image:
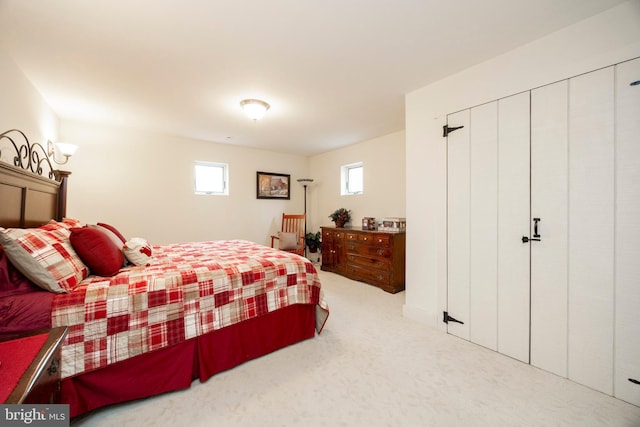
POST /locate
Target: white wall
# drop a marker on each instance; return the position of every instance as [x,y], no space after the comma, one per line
[143,184]
[383,159]
[23,108]
[605,39]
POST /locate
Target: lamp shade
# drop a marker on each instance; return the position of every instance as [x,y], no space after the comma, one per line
[67,149]
[254,108]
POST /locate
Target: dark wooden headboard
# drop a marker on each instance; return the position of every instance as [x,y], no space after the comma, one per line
[28,199]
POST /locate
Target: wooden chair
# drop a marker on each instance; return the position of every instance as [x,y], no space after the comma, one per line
[292,225]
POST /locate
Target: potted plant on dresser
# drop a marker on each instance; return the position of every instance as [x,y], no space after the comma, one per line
[341,216]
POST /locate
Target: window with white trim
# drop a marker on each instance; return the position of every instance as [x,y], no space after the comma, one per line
[352,179]
[211,178]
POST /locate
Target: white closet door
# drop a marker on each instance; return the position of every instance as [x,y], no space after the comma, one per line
[458,219]
[484,225]
[492,175]
[549,203]
[582,294]
[627,268]
[513,223]
[591,229]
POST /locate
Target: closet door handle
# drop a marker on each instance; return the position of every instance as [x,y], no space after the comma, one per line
[526,239]
[535,227]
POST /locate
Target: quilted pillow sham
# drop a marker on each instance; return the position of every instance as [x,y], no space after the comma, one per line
[97,250]
[65,224]
[45,256]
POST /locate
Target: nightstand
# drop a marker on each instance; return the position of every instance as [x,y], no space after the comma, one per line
[40,381]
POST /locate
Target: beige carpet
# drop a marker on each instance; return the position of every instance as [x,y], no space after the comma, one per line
[372,367]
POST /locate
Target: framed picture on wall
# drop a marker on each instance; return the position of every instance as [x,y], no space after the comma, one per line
[273,185]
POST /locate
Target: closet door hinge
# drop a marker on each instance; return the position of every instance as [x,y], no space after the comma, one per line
[446,130]
[447,318]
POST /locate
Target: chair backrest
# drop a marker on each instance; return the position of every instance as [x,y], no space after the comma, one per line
[293,223]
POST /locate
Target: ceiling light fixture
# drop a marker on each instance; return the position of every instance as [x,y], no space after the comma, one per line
[254,108]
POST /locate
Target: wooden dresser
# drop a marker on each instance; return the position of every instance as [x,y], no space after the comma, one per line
[374,257]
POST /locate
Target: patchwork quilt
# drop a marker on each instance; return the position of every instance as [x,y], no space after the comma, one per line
[188,289]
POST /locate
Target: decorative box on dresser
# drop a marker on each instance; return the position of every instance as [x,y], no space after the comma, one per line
[374,257]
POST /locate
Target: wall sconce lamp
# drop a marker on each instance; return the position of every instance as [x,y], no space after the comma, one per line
[254,108]
[67,150]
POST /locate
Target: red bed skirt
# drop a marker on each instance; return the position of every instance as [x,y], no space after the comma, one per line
[175,367]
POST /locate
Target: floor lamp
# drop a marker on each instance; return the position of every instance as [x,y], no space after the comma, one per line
[305,182]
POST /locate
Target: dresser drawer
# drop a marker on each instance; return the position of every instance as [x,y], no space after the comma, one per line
[368,238]
[368,262]
[351,237]
[368,250]
[369,275]
[330,235]
[376,239]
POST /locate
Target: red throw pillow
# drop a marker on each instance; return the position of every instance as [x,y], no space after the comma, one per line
[113,230]
[97,250]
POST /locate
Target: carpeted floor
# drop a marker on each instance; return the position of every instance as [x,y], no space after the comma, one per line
[372,367]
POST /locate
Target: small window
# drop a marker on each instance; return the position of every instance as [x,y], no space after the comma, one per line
[211,178]
[352,179]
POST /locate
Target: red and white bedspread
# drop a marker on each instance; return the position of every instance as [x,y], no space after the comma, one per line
[188,290]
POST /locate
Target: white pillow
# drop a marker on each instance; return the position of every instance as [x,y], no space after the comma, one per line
[287,241]
[138,251]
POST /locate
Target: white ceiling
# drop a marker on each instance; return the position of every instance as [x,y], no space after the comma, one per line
[334,71]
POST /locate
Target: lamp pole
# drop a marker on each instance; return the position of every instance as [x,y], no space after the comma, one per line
[305,182]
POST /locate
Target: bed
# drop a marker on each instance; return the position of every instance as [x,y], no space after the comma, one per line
[156,317]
